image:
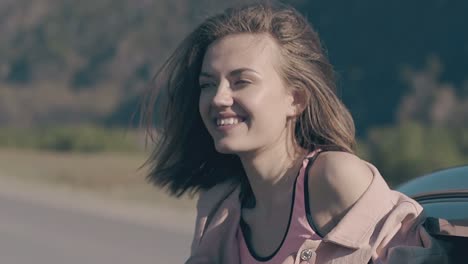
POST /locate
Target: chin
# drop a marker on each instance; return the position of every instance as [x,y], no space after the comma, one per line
[225,148]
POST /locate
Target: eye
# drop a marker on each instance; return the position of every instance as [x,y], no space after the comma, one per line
[242,82]
[206,85]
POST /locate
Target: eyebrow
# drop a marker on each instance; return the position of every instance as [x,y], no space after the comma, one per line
[232,73]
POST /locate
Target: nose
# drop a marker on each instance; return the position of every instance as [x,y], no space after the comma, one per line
[223,96]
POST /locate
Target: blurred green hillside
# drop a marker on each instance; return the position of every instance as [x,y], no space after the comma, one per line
[85,61]
[402,70]
[64,61]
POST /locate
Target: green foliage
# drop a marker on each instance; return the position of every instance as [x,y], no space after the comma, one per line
[70,139]
[76,55]
[362,149]
[410,150]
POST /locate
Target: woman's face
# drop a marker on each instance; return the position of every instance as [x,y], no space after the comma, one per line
[243,102]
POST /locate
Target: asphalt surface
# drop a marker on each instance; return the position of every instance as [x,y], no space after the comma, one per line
[44,228]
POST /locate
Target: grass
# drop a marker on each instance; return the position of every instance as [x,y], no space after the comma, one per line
[116,175]
[72,138]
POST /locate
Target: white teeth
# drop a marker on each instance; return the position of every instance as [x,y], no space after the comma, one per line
[228,121]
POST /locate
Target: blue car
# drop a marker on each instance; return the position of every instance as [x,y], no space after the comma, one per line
[443,194]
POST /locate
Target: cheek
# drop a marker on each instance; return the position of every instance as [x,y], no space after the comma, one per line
[204,99]
[272,112]
[267,103]
[203,107]
[201,104]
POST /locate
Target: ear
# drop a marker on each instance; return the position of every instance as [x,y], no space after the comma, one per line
[296,102]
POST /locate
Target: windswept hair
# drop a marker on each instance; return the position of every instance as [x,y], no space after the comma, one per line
[185,158]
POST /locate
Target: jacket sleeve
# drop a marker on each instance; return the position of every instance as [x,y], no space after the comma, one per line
[199,223]
[406,240]
[452,234]
[207,204]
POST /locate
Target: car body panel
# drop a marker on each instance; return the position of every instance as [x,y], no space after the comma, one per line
[443,194]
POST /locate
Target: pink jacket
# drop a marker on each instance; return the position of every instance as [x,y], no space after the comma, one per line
[384,226]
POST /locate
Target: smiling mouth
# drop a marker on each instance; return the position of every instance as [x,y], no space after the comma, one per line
[230,121]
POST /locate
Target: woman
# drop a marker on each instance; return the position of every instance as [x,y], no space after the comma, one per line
[253,123]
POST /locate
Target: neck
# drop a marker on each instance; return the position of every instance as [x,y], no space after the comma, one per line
[271,173]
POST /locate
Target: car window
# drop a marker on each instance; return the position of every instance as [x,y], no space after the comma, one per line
[450,209]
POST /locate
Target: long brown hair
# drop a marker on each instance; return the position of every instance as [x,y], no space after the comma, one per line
[185,157]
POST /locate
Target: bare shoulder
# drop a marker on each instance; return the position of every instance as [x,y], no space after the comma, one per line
[343,172]
[336,181]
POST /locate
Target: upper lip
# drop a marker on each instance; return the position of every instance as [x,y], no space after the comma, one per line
[227,115]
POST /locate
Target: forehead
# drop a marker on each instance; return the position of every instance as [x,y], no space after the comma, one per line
[256,51]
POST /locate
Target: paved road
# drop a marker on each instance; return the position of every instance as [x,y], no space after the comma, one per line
[40,232]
